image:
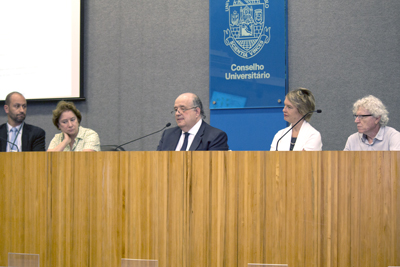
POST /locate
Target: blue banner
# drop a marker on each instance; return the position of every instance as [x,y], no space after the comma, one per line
[248,53]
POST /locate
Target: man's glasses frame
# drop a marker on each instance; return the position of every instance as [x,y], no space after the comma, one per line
[361,116]
[182,109]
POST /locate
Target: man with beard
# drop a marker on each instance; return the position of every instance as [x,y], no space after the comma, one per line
[15,135]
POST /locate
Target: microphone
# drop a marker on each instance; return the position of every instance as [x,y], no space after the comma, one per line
[318,111]
[167,125]
[10,143]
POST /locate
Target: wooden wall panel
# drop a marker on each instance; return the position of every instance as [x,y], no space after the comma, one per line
[302,208]
[339,178]
[394,219]
[329,208]
[71,175]
[275,250]
[23,204]
[104,207]
[251,203]
[224,211]
[153,206]
[5,214]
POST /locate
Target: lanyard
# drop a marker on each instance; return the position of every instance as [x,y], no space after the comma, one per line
[16,136]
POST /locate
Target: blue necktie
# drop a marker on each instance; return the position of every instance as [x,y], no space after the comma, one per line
[185,142]
[13,146]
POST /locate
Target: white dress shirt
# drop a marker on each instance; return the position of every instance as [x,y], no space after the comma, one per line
[192,133]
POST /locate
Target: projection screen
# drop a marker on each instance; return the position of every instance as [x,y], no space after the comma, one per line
[40,49]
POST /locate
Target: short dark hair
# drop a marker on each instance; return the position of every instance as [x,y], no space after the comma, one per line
[65,106]
[197,103]
[8,97]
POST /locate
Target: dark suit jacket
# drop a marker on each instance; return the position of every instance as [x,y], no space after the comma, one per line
[33,138]
[207,138]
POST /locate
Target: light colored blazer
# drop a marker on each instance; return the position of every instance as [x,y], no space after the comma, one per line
[308,139]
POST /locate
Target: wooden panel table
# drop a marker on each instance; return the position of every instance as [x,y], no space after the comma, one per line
[330,208]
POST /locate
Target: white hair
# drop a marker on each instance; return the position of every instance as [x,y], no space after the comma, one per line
[374,106]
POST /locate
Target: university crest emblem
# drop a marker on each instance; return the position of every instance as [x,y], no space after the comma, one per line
[247,33]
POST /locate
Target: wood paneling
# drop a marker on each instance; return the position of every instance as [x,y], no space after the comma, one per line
[330,208]
[23,204]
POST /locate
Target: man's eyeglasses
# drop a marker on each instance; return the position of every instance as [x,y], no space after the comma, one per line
[361,116]
[181,109]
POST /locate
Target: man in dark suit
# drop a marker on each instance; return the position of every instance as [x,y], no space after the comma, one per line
[192,132]
[20,136]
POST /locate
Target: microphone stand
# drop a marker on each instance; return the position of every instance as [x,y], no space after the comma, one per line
[277,143]
[168,124]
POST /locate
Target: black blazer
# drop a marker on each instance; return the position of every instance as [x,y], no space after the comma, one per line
[207,138]
[33,138]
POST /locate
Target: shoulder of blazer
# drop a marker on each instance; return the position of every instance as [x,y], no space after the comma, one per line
[32,128]
[203,127]
[3,127]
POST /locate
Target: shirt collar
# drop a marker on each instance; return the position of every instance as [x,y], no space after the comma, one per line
[379,135]
[195,128]
[9,127]
[80,133]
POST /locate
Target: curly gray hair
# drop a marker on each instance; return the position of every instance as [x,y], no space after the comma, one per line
[374,106]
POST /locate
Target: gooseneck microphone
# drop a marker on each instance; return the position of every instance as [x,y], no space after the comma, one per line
[277,143]
[10,143]
[167,125]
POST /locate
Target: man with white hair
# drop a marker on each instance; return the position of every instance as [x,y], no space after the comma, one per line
[371,118]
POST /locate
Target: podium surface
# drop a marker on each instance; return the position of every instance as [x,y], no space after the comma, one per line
[329,208]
